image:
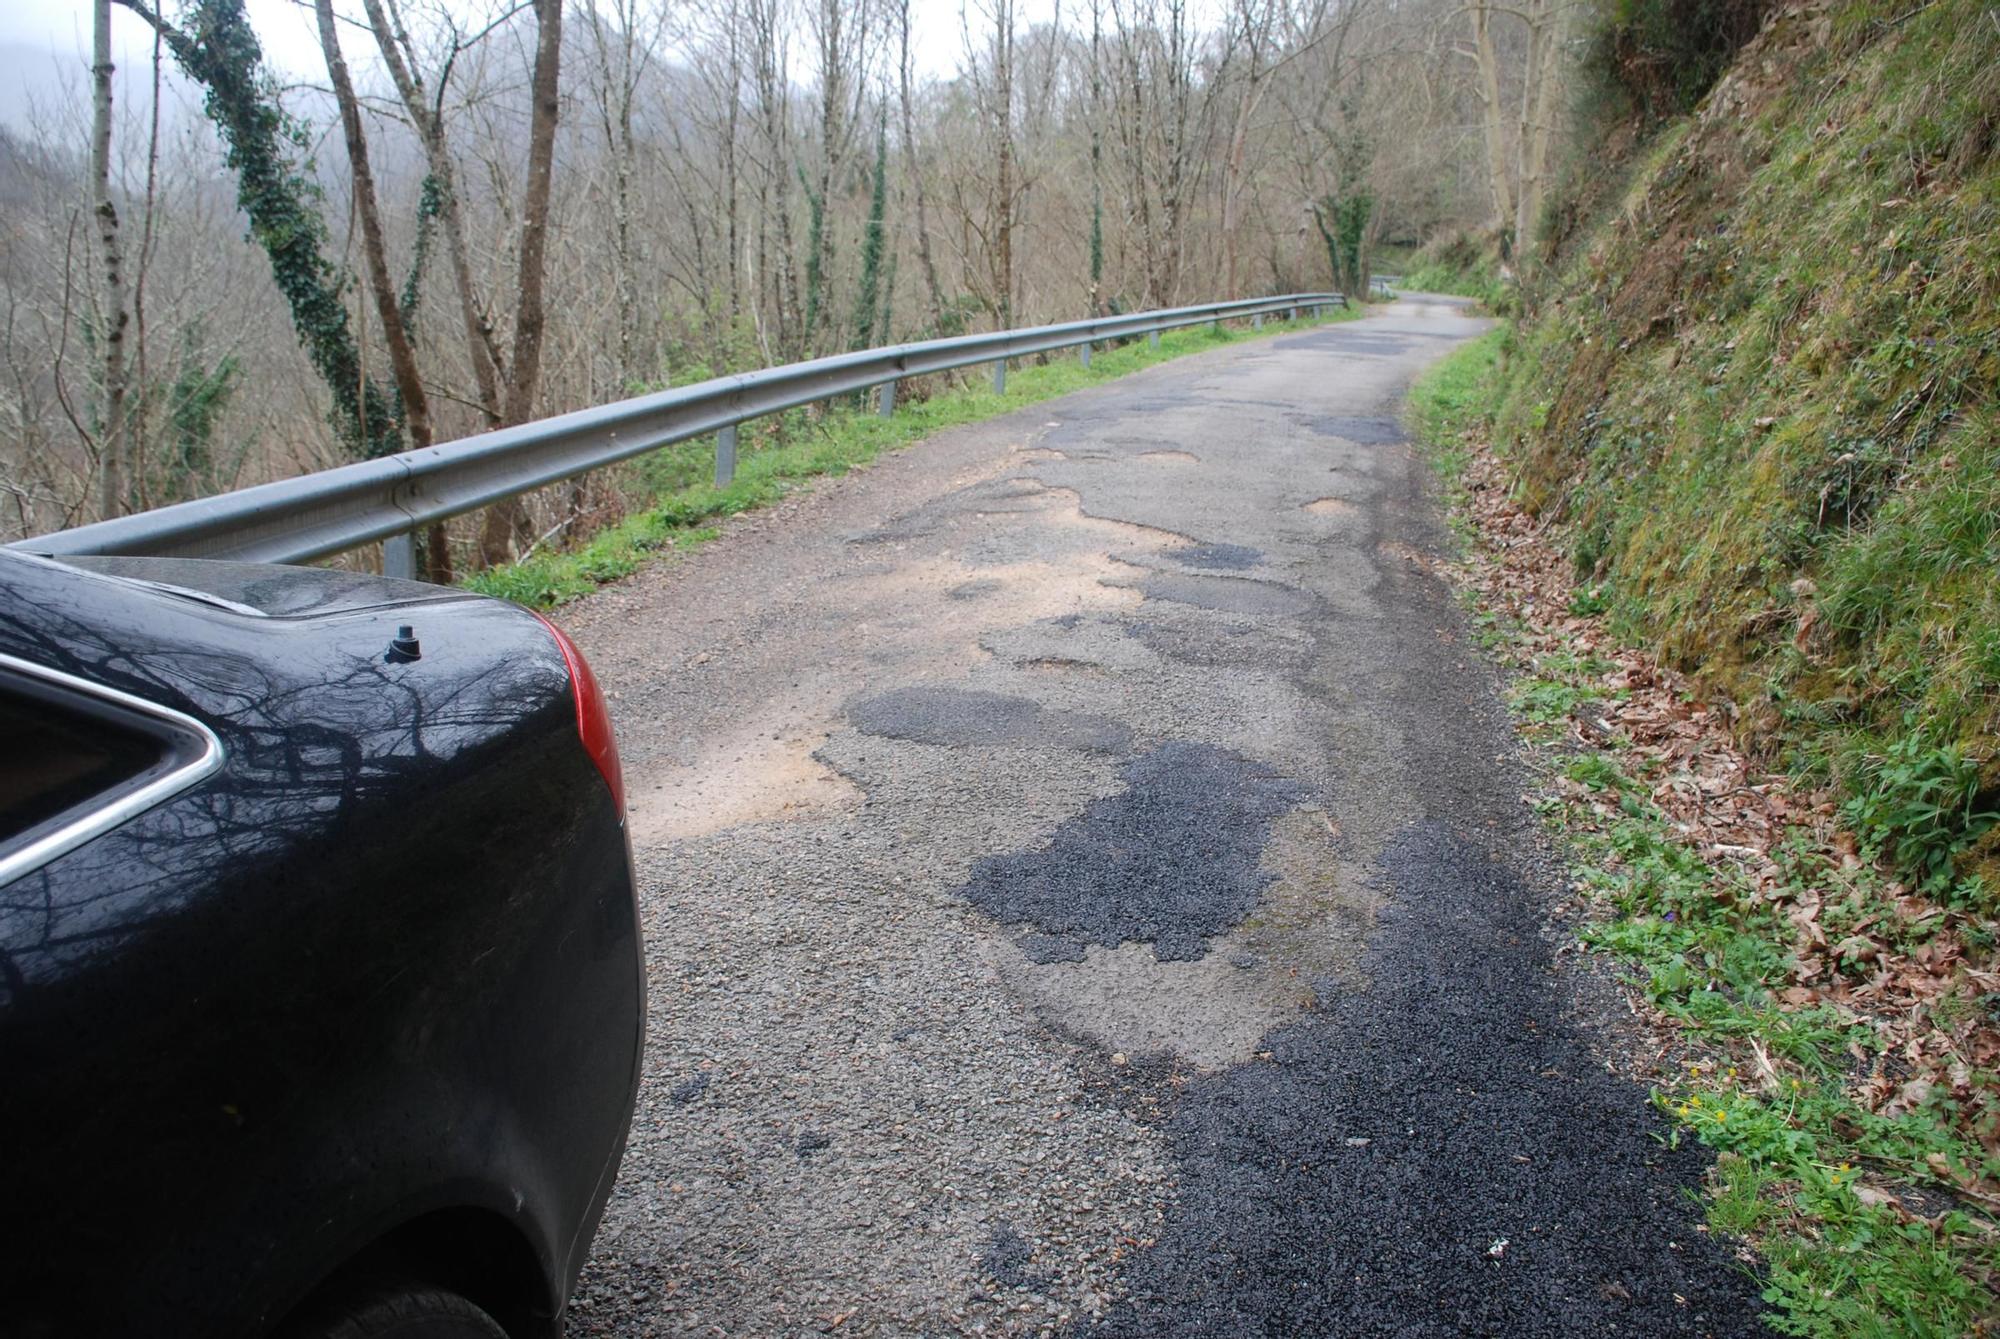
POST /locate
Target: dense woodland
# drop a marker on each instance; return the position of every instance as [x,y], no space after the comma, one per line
[478,212]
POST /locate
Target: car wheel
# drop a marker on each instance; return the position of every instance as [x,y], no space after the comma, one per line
[395,1310]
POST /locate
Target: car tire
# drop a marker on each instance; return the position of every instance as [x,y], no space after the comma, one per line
[395,1310]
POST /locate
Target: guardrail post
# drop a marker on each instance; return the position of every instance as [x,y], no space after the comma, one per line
[885,403]
[725,455]
[1257,321]
[1000,377]
[399,556]
[1295,314]
[1086,353]
[1154,339]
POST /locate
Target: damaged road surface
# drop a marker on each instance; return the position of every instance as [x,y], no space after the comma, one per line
[1087,892]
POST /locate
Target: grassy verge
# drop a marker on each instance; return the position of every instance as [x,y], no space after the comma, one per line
[1830,1025]
[776,456]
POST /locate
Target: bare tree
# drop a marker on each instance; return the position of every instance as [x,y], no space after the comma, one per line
[114,452]
[622,51]
[1547,22]
[374,250]
[913,169]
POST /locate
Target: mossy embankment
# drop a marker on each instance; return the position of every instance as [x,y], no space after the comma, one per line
[1758,391]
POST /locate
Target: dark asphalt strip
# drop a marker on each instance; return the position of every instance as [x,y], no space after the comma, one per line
[1437,1155]
[1171,860]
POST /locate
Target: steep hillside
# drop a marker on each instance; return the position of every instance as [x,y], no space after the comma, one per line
[1759,394]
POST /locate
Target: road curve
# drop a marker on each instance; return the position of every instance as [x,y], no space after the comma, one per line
[1087,891]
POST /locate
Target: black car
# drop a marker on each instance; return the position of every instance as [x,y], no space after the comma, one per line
[320,981]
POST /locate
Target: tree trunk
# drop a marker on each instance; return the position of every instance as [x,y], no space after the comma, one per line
[480,350]
[915,173]
[1096,159]
[402,358]
[506,523]
[1546,38]
[1003,224]
[114,453]
[1488,61]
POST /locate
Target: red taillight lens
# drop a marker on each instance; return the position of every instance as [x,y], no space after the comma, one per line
[593,718]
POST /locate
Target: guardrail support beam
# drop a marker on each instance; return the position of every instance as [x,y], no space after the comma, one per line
[885,403]
[725,456]
[399,556]
[1154,339]
[1257,321]
[354,506]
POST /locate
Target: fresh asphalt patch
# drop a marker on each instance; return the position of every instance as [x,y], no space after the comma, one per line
[1171,860]
[1438,1155]
[967,718]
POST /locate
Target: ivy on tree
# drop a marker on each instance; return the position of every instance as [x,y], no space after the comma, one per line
[266,149]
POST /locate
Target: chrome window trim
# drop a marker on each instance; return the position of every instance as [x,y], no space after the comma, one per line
[126,806]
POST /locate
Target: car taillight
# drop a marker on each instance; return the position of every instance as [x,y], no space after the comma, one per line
[593,718]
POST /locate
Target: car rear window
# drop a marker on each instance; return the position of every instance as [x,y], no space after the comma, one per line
[79,758]
[54,758]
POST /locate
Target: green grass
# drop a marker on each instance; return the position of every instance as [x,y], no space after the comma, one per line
[779,455]
[1477,282]
[1801,1166]
[1460,263]
[1453,397]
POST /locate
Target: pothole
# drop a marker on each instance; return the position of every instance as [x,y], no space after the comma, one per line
[1360,431]
[1228,595]
[749,779]
[1170,457]
[1060,665]
[1223,557]
[1329,506]
[961,718]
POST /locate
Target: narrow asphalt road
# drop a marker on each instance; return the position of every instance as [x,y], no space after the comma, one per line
[1087,891]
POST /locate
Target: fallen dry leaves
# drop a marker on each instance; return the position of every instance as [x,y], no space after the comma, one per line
[1898,962]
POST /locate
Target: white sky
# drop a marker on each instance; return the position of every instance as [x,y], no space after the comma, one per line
[61,28]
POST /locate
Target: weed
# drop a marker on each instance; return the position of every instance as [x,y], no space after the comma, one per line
[1919,803]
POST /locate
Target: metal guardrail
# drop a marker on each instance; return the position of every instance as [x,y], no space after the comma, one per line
[390,499]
